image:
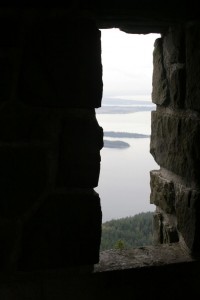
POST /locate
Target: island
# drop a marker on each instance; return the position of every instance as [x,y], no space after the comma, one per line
[115,134]
[115,144]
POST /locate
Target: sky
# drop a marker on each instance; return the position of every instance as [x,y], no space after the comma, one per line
[127,64]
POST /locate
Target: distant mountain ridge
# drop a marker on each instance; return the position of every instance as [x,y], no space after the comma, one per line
[121,101]
[130,135]
[124,106]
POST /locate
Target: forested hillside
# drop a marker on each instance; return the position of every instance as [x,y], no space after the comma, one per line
[127,232]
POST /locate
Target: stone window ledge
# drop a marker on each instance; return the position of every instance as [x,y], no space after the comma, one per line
[149,256]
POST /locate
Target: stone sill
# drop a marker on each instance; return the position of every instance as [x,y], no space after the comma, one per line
[137,258]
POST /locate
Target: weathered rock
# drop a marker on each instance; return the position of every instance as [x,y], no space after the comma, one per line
[162,192]
[160,92]
[187,211]
[157,228]
[176,80]
[193,66]
[141,257]
[174,45]
[174,144]
[170,233]
[165,229]
[173,63]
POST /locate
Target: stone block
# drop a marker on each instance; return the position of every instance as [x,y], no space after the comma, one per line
[174,45]
[80,144]
[17,123]
[177,81]
[6,70]
[9,233]
[62,64]
[64,231]
[165,229]
[188,211]
[193,67]
[175,143]
[20,123]
[169,69]
[160,92]
[162,192]
[157,228]
[170,233]
[23,173]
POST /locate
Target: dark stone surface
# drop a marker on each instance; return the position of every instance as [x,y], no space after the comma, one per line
[174,143]
[170,233]
[187,211]
[160,92]
[61,64]
[49,57]
[5,76]
[174,45]
[177,81]
[79,159]
[23,173]
[174,62]
[193,66]
[9,233]
[64,231]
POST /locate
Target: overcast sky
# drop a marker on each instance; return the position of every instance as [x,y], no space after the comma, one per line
[127,64]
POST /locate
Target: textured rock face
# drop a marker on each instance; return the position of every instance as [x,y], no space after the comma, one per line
[175,137]
[193,68]
[174,143]
[162,192]
[160,93]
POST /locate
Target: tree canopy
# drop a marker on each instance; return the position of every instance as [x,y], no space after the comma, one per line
[128,232]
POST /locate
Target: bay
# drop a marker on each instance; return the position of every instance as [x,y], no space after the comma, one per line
[124,183]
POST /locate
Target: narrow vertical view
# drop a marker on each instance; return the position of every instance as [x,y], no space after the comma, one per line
[125,115]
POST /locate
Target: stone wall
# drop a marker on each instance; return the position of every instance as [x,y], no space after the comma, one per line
[175,188]
[50,141]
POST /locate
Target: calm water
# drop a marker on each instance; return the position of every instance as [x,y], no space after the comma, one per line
[124,184]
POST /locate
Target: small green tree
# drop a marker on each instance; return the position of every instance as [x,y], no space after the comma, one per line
[119,245]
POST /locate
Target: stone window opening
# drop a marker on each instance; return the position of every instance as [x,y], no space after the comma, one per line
[131,69]
[168,189]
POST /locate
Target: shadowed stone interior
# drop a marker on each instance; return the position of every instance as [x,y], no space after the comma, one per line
[50,142]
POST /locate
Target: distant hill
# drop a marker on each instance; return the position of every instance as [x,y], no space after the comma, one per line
[123,102]
[124,106]
[116,134]
[128,232]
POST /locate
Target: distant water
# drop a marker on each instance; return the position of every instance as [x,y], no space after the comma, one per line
[124,184]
